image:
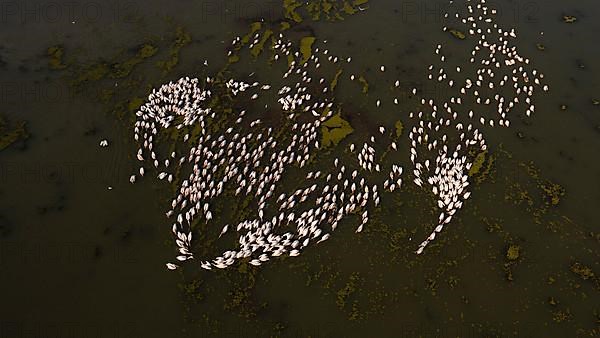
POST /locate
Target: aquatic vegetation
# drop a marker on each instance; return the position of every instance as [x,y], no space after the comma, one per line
[290,7]
[335,79]
[553,192]
[306,48]
[457,34]
[334,130]
[513,252]
[257,48]
[365,84]
[9,135]
[582,271]
[331,10]
[55,55]
[182,38]
[399,128]
[569,18]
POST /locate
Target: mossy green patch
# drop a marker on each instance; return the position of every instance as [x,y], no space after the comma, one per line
[8,135]
[258,47]
[335,79]
[182,38]
[92,72]
[55,55]
[513,252]
[458,34]
[332,10]
[478,163]
[134,104]
[334,130]
[582,271]
[254,27]
[290,7]
[233,59]
[552,191]
[306,47]
[399,128]
[147,50]
[365,84]
[284,25]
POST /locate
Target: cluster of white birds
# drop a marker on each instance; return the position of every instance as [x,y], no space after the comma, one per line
[249,158]
[507,79]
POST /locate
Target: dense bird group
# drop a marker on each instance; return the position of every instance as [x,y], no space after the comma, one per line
[250,158]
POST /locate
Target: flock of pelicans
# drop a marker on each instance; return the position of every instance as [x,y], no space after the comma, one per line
[251,158]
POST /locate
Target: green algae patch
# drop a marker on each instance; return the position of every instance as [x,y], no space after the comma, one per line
[582,271]
[55,57]
[335,79]
[290,7]
[284,25]
[306,47]
[92,72]
[123,69]
[8,136]
[134,104]
[344,293]
[334,130]
[482,166]
[233,59]
[147,50]
[457,34]
[552,192]
[182,38]
[513,252]
[258,48]
[332,10]
[254,27]
[348,9]
[399,128]
[365,84]
[478,163]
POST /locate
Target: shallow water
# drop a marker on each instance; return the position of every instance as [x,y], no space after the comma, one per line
[79,260]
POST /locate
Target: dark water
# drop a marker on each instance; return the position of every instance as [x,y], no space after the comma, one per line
[78,259]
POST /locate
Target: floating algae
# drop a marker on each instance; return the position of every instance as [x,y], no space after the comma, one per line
[582,271]
[258,47]
[552,191]
[478,163]
[10,136]
[290,7]
[147,51]
[344,293]
[513,252]
[335,79]
[254,27]
[334,130]
[332,10]
[121,70]
[284,25]
[364,83]
[457,34]
[55,55]
[182,38]
[134,104]
[399,128]
[306,48]
[116,70]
